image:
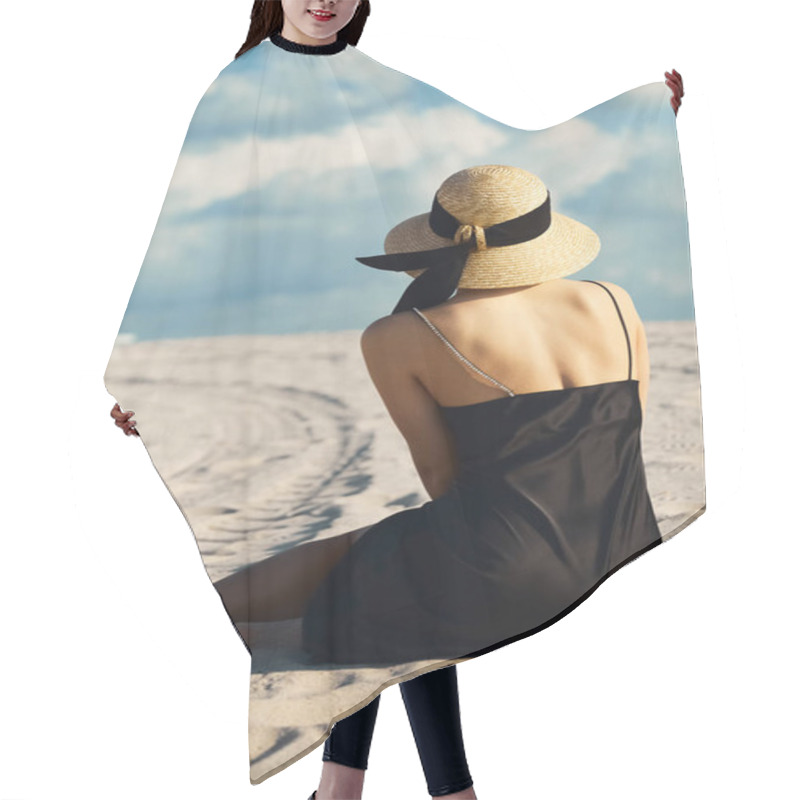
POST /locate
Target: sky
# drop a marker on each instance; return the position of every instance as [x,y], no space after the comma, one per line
[293,165]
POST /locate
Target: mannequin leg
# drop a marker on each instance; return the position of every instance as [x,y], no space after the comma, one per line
[431,701]
[351,737]
[346,753]
[434,713]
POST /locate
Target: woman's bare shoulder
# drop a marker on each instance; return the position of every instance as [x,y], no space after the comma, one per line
[619,292]
[386,335]
[388,325]
[625,302]
[587,286]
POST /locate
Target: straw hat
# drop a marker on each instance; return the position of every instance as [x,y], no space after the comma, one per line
[483,196]
[490,226]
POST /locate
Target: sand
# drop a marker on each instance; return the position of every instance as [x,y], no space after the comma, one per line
[224,431]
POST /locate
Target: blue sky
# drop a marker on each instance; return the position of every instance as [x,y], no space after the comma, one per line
[293,165]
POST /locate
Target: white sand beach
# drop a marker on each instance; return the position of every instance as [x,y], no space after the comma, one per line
[291,443]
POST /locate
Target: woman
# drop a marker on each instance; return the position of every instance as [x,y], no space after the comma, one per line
[538,492]
[436,728]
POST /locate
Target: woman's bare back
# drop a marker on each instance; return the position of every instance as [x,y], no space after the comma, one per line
[557,334]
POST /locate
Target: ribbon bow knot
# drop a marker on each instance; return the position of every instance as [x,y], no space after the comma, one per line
[466,232]
[442,267]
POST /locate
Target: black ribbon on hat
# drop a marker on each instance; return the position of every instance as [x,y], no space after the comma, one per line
[443,265]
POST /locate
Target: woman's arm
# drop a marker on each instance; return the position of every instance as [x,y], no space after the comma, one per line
[638,339]
[639,351]
[387,346]
[642,362]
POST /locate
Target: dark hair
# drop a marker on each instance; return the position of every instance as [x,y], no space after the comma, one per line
[266,18]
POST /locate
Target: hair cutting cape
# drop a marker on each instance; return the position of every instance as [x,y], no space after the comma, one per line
[239,352]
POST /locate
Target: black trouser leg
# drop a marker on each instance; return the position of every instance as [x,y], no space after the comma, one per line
[431,702]
[351,737]
[434,713]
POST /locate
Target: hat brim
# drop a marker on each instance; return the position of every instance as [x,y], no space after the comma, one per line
[565,247]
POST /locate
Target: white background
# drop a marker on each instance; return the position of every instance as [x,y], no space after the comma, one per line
[121,675]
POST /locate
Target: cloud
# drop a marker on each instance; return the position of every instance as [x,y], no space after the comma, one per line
[572,156]
[259,169]
[381,143]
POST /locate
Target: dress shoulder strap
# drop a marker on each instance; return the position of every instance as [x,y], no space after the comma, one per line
[624,327]
[460,355]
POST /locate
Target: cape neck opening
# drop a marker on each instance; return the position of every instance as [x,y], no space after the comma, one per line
[309,49]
